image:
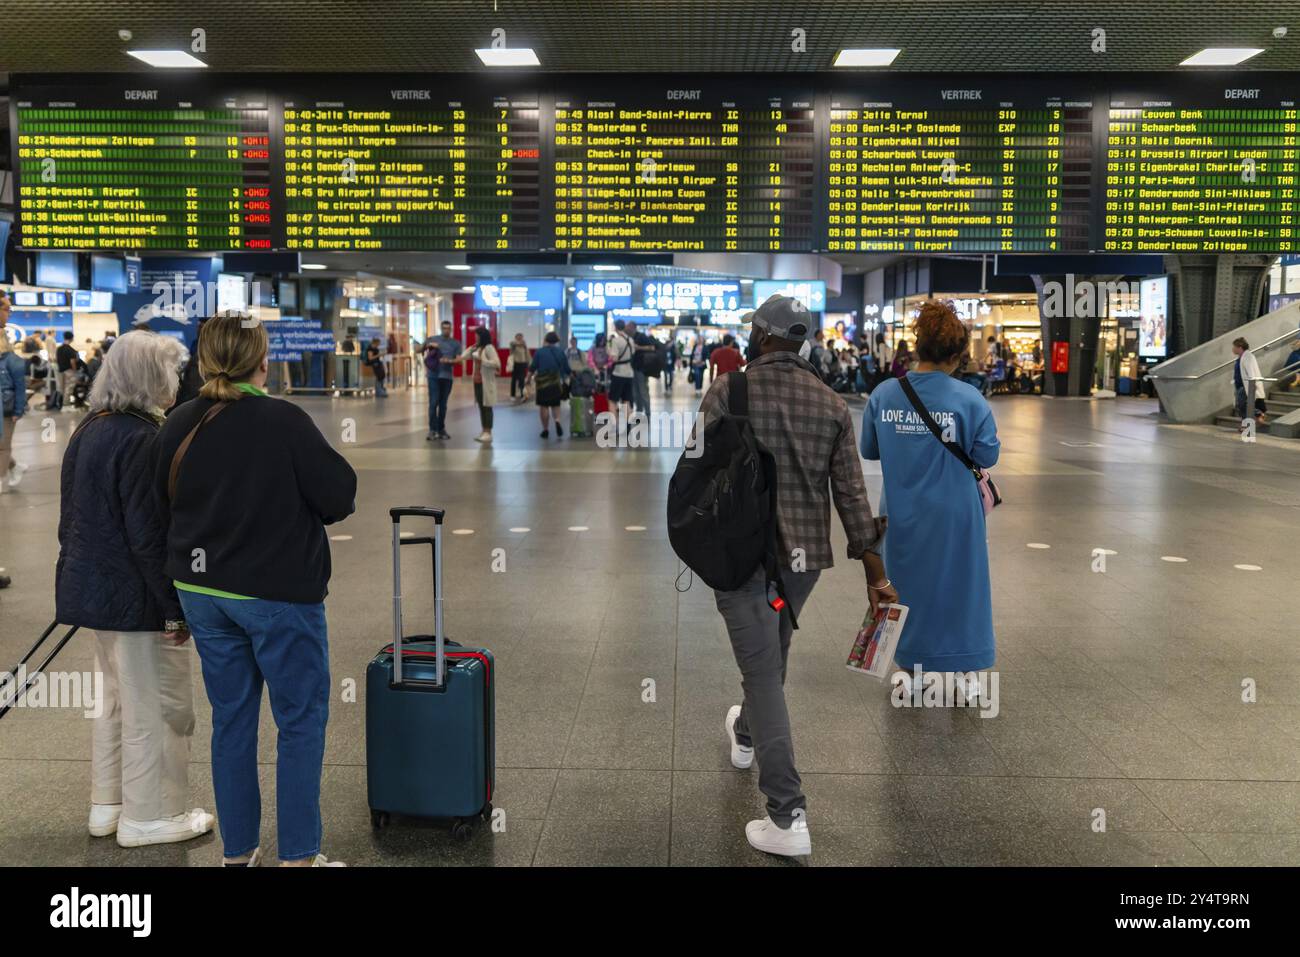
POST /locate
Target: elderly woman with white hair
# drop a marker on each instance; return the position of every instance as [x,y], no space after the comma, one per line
[110,579]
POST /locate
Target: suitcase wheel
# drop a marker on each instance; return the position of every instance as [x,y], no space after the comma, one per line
[462,830]
[379,819]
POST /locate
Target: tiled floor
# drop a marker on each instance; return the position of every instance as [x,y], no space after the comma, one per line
[1121,691]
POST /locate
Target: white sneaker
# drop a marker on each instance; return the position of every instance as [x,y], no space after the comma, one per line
[741,756]
[793,841]
[103,819]
[484,437]
[168,830]
[323,861]
[16,474]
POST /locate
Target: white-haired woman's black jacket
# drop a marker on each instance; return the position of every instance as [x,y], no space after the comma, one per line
[112,535]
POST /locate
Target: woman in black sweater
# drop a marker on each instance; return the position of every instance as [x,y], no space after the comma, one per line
[250,484]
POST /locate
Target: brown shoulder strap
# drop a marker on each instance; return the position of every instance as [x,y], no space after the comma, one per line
[184,447]
[86,421]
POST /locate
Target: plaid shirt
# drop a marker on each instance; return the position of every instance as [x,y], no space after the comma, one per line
[807,428]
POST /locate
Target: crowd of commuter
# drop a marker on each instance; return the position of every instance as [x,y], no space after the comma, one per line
[160,543]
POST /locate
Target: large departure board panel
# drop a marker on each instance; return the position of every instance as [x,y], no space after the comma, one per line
[685,168]
[1213,171]
[412,167]
[143,166]
[974,169]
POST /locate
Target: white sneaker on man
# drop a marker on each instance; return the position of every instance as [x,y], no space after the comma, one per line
[792,841]
[741,756]
[168,830]
[103,819]
[16,471]
[323,861]
[484,437]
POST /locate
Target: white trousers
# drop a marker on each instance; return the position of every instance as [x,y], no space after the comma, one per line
[140,751]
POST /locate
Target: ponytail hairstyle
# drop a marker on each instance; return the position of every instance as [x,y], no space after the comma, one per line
[229,353]
[940,335]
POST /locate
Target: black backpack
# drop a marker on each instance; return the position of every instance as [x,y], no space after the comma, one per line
[653,363]
[722,504]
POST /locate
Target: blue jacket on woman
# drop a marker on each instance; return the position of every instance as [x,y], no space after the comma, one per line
[13,386]
[112,537]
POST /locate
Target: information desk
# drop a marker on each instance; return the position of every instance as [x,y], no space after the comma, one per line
[122,166]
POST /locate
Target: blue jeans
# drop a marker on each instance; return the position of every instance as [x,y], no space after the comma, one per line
[1239,397]
[243,644]
[439,393]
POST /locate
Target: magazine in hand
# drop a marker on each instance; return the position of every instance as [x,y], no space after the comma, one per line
[874,648]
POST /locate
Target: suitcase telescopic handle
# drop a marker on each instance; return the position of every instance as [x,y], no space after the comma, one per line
[404,511]
[436,514]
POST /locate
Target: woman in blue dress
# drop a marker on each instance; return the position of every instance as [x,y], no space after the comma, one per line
[936,548]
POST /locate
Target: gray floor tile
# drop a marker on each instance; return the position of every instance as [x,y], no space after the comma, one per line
[603,843]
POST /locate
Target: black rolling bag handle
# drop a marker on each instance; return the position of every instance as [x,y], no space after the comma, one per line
[7,706]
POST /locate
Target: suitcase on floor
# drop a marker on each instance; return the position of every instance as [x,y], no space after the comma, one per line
[577,421]
[430,713]
[600,403]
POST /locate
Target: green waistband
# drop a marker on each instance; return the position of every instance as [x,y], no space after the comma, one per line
[215,593]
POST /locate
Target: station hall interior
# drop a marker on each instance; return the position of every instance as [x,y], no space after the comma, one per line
[443,220]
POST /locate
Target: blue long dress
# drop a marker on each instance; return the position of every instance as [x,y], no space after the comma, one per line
[936,550]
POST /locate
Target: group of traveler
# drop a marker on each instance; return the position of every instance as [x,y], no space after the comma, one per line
[613,374]
[928,550]
[163,537]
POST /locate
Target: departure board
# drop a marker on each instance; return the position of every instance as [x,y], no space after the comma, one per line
[959,170]
[138,167]
[412,169]
[698,168]
[1214,173]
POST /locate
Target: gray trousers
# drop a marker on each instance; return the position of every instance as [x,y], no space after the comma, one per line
[641,392]
[760,640]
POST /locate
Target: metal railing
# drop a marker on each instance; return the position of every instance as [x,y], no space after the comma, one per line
[1293,334]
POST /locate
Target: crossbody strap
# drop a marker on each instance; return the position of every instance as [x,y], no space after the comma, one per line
[952,447]
[213,411]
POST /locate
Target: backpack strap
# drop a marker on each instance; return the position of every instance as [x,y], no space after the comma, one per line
[213,411]
[952,447]
[738,393]
[738,405]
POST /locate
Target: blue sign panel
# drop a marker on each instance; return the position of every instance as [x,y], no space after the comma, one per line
[811,292]
[602,295]
[516,294]
[691,295]
[584,326]
[289,339]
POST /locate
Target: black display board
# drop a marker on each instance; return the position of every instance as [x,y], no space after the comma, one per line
[1202,169]
[658,164]
[970,167]
[676,165]
[411,164]
[138,164]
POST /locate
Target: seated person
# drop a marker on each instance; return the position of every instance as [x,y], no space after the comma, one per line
[1289,377]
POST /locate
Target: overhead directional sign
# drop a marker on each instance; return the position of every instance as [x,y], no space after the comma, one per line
[602,295]
[811,292]
[502,296]
[691,295]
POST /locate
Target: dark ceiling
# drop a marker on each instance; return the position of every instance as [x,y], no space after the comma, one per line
[43,36]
